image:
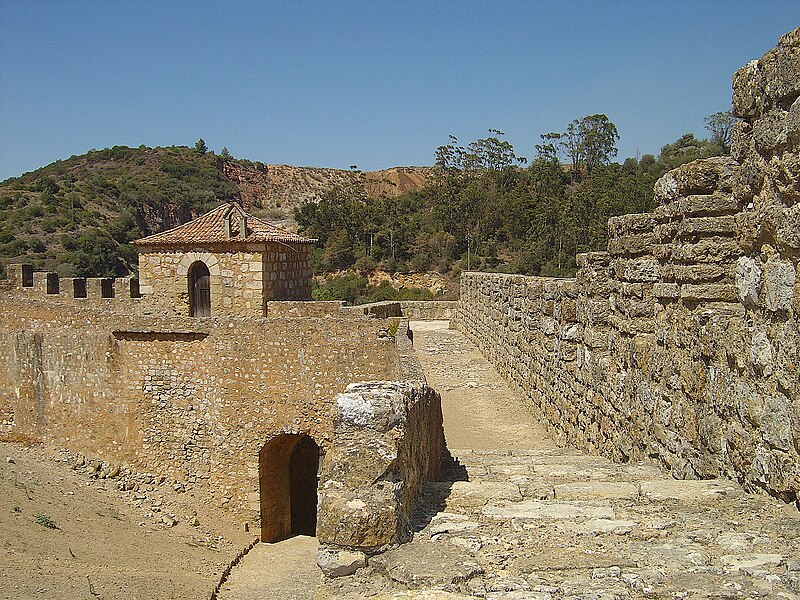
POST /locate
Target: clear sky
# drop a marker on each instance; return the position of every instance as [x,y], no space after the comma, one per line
[376,84]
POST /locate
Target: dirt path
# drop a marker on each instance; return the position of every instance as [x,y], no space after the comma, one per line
[480,410]
[282,571]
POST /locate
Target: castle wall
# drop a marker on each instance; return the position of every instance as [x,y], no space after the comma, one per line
[681,342]
[193,400]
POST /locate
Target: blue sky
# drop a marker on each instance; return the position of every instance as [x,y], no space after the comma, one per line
[375,84]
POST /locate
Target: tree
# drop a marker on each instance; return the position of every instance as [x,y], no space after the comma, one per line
[200,146]
[589,142]
[223,153]
[720,124]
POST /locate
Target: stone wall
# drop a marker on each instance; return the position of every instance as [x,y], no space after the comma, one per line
[193,400]
[679,343]
[243,279]
[414,310]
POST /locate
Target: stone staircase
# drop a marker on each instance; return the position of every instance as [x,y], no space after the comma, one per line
[556,523]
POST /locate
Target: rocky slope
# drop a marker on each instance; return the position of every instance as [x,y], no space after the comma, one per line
[283,187]
[77,216]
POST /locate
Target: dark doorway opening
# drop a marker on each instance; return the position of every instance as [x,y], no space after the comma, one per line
[287,467]
[199,290]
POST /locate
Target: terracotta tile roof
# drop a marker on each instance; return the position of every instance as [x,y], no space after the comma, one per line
[211,228]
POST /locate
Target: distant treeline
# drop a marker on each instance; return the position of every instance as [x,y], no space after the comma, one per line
[484,211]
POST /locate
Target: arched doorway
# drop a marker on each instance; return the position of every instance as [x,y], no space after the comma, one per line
[199,290]
[287,473]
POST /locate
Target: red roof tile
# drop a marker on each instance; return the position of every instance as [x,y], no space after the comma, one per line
[210,228]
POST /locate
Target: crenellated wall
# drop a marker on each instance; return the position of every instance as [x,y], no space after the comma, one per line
[680,343]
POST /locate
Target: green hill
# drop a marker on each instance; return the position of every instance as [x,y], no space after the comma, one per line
[77,216]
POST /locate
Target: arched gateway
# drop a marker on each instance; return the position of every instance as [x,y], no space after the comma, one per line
[288,475]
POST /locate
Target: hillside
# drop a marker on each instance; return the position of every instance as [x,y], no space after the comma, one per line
[282,188]
[77,216]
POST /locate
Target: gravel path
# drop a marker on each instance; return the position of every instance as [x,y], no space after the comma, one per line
[480,410]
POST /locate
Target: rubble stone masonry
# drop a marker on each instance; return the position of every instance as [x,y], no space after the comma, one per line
[193,400]
[681,342]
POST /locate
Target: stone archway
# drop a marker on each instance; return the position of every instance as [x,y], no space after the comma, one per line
[287,473]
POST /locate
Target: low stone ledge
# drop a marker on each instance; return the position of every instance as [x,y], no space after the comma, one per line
[711,291]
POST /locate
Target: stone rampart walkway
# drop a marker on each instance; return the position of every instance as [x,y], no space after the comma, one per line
[519,519]
[282,571]
[523,520]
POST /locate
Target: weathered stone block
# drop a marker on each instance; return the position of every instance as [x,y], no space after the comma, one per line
[388,440]
[748,280]
[699,177]
[702,272]
[667,291]
[778,285]
[707,250]
[706,226]
[710,291]
[770,131]
[631,224]
[631,245]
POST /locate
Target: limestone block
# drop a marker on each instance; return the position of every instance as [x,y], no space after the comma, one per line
[748,91]
[388,441]
[424,565]
[741,141]
[787,232]
[778,286]
[748,280]
[596,490]
[335,562]
[792,124]
[631,245]
[699,177]
[776,422]
[631,223]
[639,270]
[708,204]
[707,250]
[770,131]
[691,491]
[706,226]
[542,509]
[668,291]
[694,273]
[781,68]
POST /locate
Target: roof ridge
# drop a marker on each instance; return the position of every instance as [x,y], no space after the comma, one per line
[209,228]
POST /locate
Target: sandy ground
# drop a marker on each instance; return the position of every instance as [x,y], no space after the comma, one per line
[103,543]
[480,410]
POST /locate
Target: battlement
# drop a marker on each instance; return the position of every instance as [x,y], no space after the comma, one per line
[98,291]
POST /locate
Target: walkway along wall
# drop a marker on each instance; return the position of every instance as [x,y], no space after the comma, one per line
[679,343]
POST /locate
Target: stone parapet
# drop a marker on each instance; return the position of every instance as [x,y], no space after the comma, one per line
[119,294]
[681,342]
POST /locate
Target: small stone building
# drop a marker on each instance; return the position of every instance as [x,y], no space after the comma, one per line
[223,263]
